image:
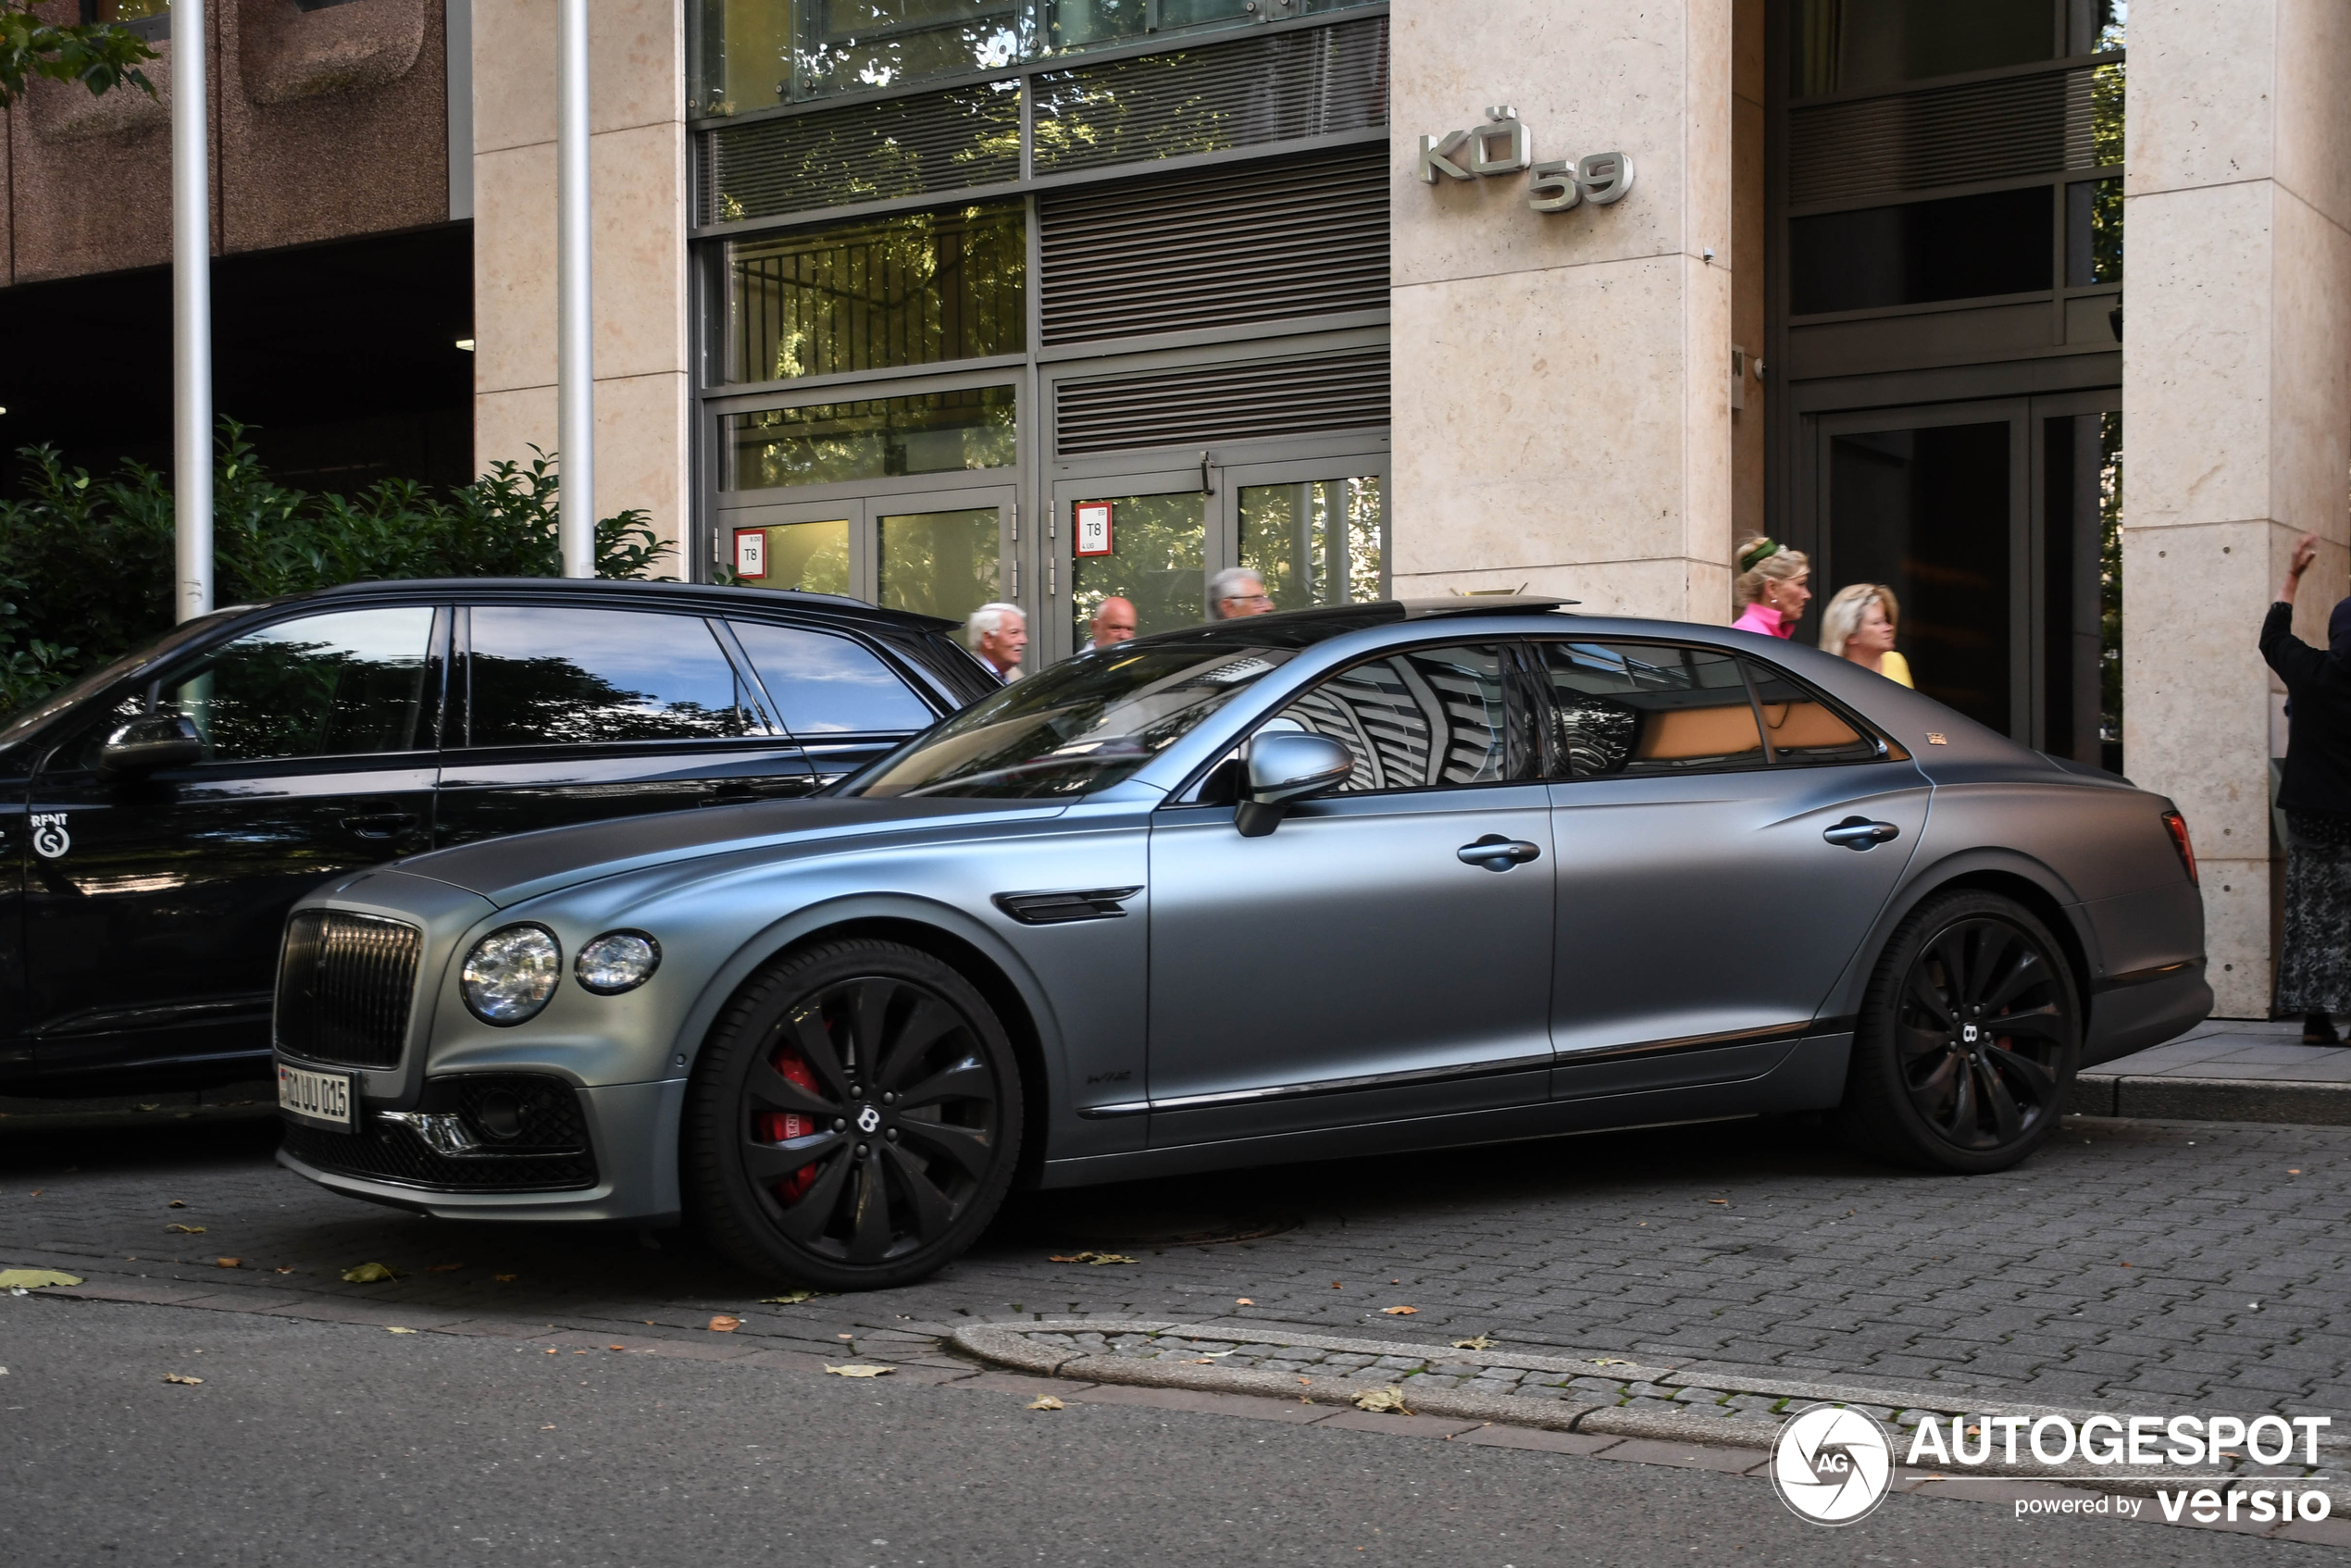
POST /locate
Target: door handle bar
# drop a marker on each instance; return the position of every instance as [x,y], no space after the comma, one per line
[1861,833]
[1496,854]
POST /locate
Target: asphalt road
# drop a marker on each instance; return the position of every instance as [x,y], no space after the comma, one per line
[319,1444]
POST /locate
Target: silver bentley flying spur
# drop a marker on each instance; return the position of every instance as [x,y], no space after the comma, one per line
[1343,882]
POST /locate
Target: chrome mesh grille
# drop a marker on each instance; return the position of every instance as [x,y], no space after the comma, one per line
[344,986]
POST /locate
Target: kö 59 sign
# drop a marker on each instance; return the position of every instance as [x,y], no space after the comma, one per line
[1504,146]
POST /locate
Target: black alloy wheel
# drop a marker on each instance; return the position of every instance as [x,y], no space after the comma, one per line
[854,1121]
[1969,1037]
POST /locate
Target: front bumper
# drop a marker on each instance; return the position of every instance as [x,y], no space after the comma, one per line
[632,1135]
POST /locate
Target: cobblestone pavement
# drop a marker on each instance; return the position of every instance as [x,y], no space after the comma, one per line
[2157,1265]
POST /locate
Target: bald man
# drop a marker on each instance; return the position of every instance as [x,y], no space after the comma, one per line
[1113,623]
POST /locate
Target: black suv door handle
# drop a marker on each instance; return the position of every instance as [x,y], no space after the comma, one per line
[1861,833]
[730,793]
[381,824]
[1498,853]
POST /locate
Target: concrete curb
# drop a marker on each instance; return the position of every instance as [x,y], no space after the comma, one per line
[1009,1345]
[2211,1100]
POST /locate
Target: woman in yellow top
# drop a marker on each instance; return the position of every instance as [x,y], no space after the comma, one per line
[1859,624]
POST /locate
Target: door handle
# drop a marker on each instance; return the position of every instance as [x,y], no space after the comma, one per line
[730,793]
[1861,833]
[1496,854]
[380,825]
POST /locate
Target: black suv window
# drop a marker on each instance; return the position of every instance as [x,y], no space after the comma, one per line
[552,675]
[1803,729]
[825,684]
[350,683]
[1628,709]
[1418,720]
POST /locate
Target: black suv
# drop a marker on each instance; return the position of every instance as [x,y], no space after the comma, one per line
[170,807]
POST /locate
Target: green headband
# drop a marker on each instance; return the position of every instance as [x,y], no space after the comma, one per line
[1757,553]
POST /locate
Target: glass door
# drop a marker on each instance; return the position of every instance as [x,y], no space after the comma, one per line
[1315,532]
[1143,538]
[943,553]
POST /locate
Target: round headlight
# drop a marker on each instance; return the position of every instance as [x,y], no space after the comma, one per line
[511,973]
[617,962]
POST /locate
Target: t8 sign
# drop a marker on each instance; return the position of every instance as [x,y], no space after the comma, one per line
[1504,146]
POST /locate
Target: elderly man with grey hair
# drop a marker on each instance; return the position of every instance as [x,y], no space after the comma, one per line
[999,634]
[1236,592]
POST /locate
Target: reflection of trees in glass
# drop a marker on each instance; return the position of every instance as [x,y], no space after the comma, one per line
[265,697]
[812,557]
[939,563]
[2094,232]
[549,700]
[1315,543]
[2105,114]
[908,290]
[827,443]
[1157,558]
[2110,587]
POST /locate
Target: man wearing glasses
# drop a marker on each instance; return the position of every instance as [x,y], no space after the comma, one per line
[1236,592]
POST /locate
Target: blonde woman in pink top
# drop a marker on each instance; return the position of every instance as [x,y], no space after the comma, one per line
[1774,584]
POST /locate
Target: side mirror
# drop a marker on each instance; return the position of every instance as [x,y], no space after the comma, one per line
[1281,766]
[150,744]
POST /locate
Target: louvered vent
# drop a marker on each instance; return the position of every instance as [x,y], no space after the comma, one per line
[951,140]
[1274,87]
[1216,402]
[1873,147]
[1251,241]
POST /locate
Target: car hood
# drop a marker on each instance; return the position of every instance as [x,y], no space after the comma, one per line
[508,870]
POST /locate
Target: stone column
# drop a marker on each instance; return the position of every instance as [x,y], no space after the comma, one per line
[2236,398]
[1562,405]
[637,56]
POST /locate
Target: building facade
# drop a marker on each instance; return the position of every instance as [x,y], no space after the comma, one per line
[942,301]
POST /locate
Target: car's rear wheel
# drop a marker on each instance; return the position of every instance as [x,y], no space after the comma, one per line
[854,1120]
[1968,1038]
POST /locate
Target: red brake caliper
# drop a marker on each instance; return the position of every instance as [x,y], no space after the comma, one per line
[779,1126]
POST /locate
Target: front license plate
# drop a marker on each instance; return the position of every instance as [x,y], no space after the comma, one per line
[323,1099]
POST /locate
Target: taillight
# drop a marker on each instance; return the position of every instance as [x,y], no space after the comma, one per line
[2179,841]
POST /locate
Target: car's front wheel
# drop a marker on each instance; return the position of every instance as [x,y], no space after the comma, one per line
[854,1120]
[1968,1038]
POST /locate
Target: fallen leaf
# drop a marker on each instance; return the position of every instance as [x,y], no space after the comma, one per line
[2126,1265]
[1097,1258]
[506,1279]
[34,1278]
[181,1378]
[1337,1285]
[1725,1202]
[722,1324]
[1385,1400]
[400,1331]
[155,1107]
[186,1229]
[552,1352]
[789,1299]
[35,1192]
[443,1268]
[615,1347]
[288,1269]
[1243,1302]
[1399,1312]
[1042,1401]
[2289,1171]
[1479,1343]
[548,1428]
[855,1371]
[370,1273]
[1610,1361]
[175,1204]
[1308,1381]
[229,1263]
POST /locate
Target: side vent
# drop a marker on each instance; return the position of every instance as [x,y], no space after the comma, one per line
[952,141]
[1254,242]
[1865,148]
[1215,403]
[1274,87]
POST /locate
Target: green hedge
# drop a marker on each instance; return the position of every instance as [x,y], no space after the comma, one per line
[86,566]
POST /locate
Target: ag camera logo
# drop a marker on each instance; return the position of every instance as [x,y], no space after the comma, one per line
[1831,1464]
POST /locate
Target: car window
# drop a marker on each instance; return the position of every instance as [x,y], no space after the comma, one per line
[1803,729]
[1417,720]
[346,684]
[552,674]
[1630,709]
[825,684]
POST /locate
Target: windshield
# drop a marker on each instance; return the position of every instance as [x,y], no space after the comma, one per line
[1082,725]
[31,717]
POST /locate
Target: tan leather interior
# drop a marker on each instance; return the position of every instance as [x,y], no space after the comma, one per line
[1679,734]
[1795,726]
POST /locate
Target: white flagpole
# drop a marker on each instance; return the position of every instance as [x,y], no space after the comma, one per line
[575,366]
[191,316]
